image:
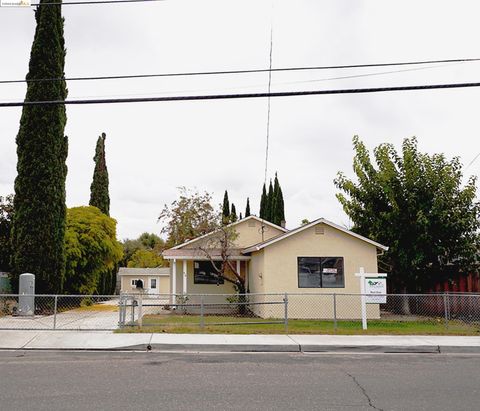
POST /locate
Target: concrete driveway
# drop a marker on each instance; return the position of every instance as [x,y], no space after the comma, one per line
[83,318]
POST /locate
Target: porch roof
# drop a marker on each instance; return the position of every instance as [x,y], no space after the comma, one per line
[196,254]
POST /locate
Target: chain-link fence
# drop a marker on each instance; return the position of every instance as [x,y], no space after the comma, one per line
[58,312]
[250,313]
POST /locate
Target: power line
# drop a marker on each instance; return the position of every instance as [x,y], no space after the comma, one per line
[245,71]
[243,96]
[76,3]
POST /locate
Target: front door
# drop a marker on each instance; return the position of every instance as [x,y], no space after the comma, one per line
[153,286]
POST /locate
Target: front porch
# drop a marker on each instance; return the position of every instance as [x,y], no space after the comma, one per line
[191,273]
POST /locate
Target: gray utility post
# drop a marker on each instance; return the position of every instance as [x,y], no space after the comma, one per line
[26,294]
[285,300]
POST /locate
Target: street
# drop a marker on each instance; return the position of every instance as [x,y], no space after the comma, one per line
[40,380]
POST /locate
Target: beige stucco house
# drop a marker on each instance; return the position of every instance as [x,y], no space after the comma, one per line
[155,280]
[317,258]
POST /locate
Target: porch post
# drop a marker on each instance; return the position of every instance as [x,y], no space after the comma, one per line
[173,291]
[238,268]
[184,277]
[246,275]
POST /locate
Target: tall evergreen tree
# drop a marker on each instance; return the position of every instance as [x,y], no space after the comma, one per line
[270,200]
[99,196]
[247,209]
[263,203]
[278,206]
[240,217]
[226,208]
[233,214]
[38,235]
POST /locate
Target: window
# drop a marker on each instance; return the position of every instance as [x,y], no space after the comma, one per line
[205,273]
[153,283]
[320,272]
[134,283]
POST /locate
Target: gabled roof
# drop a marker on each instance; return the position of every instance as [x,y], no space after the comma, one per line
[281,237]
[251,217]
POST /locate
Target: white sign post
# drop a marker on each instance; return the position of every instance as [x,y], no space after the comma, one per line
[373,287]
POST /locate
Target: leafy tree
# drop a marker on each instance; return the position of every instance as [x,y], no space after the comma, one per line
[263,203]
[226,209]
[152,241]
[38,234]
[247,208]
[145,242]
[414,203]
[278,205]
[146,259]
[233,214]
[222,242]
[92,251]
[6,216]
[190,216]
[305,221]
[99,196]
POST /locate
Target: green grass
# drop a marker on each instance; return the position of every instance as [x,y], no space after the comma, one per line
[191,324]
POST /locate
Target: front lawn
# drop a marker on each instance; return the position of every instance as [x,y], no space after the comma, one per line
[242,325]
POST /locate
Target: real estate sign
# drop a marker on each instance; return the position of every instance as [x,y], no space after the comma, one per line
[376,290]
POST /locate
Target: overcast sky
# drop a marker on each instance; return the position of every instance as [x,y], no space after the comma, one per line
[153,148]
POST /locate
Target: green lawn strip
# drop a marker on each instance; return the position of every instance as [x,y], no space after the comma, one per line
[220,325]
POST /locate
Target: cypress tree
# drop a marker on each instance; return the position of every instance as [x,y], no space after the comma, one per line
[226,208]
[247,209]
[99,196]
[270,200]
[278,211]
[240,217]
[263,203]
[38,235]
[280,207]
[233,214]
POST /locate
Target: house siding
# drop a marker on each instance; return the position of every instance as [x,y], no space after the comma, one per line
[280,272]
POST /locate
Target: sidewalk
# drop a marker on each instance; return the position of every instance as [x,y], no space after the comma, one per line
[107,340]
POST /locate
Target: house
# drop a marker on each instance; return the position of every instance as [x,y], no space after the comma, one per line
[154,280]
[317,258]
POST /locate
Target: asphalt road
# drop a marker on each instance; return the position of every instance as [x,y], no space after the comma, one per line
[169,381]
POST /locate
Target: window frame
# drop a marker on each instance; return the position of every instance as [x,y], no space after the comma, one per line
[151,285]
[320,275]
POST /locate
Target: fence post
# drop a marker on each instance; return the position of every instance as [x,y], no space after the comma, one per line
[335,312]
[140,311]
[202,319]
[55,312]
[445,309]
[285,299]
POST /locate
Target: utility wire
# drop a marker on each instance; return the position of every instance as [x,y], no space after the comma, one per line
[247,71]
[242,96]
[283,83]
